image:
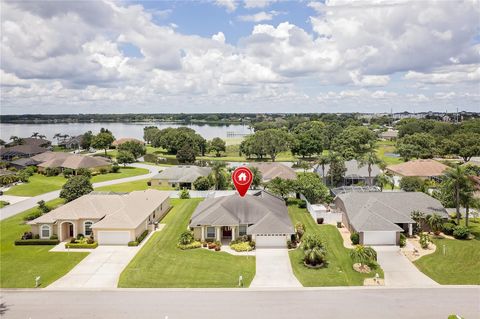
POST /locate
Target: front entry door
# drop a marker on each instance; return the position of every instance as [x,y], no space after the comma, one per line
[226,232]
[70,230]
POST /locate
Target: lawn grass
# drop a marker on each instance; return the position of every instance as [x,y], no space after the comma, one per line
[161,264]
[19,265]
[339,271]
[40,184]
[383,147]
[132,186]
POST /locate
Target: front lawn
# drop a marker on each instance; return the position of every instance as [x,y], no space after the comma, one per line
[19,265]
[459,265]
[339,271]
[40,184]
[161,264]
[139,185]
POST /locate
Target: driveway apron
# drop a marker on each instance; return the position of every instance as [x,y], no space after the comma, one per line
[273,269]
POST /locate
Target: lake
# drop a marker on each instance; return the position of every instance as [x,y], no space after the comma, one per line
[118,129]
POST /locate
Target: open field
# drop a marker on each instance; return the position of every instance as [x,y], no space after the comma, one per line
[131,186]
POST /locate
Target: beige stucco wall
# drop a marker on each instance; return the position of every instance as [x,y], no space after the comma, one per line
[159,182]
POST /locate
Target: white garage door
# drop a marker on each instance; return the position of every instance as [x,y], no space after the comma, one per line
[113,237]
[265,241]
[379,238]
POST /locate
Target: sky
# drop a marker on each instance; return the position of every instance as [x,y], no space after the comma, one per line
[239,56]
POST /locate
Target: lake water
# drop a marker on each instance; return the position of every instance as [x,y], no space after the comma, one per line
[119,129]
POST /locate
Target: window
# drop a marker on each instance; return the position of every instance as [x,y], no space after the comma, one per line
[88,228]
[45,231]
[211,232]
[242,230]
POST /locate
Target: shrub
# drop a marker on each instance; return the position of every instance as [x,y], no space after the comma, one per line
[339,224]
[411,184]
[80,236]
[67,172]
[302,204]
[37,236]
[34,242]
[4,203]
[243,246]
[364,255]
[355,238]
[84,172]
[149,183]
[33,215]
[192,245]
[461,232]
[447,228]
[82,245]
[142,236]
[291,244]
[150,158]
[42,206]
[299,230]
[252,244]
[184,194]
[27,235]
[115,168]
[403,240]
[217,248]
[186,238]
[103,170]
[54,236]
[133,243]
[52,171]
[424,240]
[211,245]
[73,240]
[320,220]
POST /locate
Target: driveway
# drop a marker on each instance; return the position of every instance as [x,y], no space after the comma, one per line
[30,202]
[273,269]
[399,271]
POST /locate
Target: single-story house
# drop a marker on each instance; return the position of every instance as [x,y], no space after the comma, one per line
[112,218]
[32,141]
[181,176]
[380,217]
[72,161]
[263,216]
[120,141]
[72,143]
[272,170]
[22,151]
[21,163]
[423,168]
[389,135]
[354,173]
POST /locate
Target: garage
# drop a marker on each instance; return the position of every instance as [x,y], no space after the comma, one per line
[379,238]
[270,240]
[113,237]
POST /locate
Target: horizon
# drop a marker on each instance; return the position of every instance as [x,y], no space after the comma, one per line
[248,55]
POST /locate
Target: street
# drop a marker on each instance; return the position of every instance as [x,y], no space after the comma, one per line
[329,303]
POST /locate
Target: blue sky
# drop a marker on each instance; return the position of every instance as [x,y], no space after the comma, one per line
[239,55]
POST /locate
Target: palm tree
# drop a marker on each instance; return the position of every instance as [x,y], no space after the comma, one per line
[457,179]
[41,136]
[314,256]
[382,180]
[435,223]
[218,168]
[370,158]
[35,134]
[468,200]
[363,255]
[322,161]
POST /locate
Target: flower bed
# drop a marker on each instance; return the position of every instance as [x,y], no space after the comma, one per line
[241,247]
[192,245]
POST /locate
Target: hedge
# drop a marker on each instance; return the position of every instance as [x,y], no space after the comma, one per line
[79,245]
[139,239]
[195,244]
[28,242]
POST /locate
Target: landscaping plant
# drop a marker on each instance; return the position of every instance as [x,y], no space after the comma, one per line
[363,255]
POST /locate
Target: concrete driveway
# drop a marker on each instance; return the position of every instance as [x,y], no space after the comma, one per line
[100,269]
[399,271]
[273,269]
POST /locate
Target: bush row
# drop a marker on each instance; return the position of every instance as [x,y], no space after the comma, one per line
[29,242]
[81,245]
[139,239]
[192,245]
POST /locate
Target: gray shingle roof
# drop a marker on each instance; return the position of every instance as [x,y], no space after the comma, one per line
[265,213]
[380,211]
[183,174]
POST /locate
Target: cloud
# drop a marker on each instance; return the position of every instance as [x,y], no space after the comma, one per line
[257,3]
[229,5]
[258,17]
[447,75]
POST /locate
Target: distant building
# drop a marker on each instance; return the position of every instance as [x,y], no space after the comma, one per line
[71,161]
[354,174]
[73,142]
[20,151]
[389,135]
[423,168]
[182,176]
[39,142]
[272,170]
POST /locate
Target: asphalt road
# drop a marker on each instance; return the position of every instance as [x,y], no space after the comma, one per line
[344,303]
[19,207]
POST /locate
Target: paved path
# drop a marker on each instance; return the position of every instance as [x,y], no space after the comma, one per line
[12,199]
[399,271]
[332,303]
[273,269]
[19,207]
[101,268]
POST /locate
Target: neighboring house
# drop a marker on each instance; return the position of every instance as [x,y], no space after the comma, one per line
[272,170]
[40,142]
[112,218]
[73,142]
[120,141]
[67,160]
[423,168]
[20,151]
[380,217]
[21,163]
[354,174]
[263,216]
[389,135]
[181,176]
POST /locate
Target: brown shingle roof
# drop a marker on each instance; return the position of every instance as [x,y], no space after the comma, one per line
[67,160]
[271,170]
[420,168]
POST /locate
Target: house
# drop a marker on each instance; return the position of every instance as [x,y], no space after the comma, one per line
[181,176]
[112,218]
[40,142]
[389,135]
[21,163]
[120,141]
[380,217]
[354,174]
[262,216]
[71,161]
[423,168]
[73,142]
[272,170]
[20,151]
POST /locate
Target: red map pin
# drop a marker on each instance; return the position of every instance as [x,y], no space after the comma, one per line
[242,178]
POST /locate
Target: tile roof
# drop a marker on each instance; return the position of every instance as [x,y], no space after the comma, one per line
[421,168]
[126,139]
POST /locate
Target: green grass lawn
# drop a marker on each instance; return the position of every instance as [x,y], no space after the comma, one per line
[161,264]
[339,271]
[40,184]
[19,265]
[459,265]
[387,147]
[132,186]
